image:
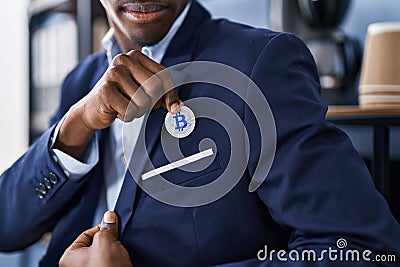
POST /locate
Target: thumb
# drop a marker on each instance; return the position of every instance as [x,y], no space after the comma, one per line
[171,101]
[110,223]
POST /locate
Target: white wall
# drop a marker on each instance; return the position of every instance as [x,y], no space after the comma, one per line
[13,81]
[363,12]
[251,12]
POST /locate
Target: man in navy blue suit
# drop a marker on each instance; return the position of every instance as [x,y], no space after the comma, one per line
[318,196]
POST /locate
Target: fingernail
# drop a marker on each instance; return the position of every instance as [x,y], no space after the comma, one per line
[175,108]
[109,217]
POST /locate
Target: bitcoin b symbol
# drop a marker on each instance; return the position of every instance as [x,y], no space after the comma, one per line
[180,121]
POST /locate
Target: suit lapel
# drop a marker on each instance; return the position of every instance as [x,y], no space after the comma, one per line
[183,44]
[180,50]
[141,153]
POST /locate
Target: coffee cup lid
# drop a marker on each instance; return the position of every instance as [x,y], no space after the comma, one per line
[384,27]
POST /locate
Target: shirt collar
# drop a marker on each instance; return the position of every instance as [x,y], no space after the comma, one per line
[157,51]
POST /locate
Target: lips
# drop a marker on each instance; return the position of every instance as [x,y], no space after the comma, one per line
[142,7]
[143,12]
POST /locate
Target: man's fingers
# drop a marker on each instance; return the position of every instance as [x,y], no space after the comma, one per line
[171,101]
[171,98]
[154,79]
[109,225]
[145,61]
[85,239]
[116,102]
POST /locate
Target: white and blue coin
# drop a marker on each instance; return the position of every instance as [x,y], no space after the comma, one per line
[182,124]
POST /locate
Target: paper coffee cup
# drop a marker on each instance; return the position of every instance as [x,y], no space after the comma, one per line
[380,73]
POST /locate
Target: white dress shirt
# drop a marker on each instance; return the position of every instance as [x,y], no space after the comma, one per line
[114,166]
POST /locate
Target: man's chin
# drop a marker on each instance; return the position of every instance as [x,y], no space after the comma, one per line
[142,43]
[145,40]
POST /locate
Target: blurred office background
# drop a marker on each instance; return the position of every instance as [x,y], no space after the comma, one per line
[14,81]
[41,40]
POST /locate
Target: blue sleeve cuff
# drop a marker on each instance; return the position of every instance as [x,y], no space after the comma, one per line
[73,168]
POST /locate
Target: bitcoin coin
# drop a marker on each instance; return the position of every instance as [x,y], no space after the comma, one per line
[182,124]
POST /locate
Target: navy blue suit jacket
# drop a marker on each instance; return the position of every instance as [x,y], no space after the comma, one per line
[317,191]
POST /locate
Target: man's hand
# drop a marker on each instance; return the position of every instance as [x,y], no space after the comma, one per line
[98,247]
[121,93]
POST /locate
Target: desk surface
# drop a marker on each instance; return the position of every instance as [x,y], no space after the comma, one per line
[364,116]
[342,111]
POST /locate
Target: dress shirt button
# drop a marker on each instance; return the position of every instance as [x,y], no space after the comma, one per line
[123,160]
[147,52]
[47,183]
[53,178]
